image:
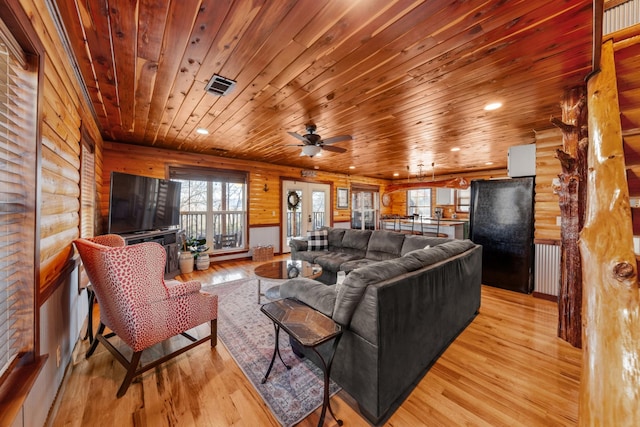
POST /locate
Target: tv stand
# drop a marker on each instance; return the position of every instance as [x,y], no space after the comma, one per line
[168,239]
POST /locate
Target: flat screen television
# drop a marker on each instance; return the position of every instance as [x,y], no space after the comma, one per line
[140,203]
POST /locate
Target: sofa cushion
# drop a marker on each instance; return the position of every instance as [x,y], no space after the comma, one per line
[331,261]
[441,252]
[311,292]
[354,285]
[356,263]
[412,242]
[309,256]
[356,242]
[384,245]
[335,236]
[318,240]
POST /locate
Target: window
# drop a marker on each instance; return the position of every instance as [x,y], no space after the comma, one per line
[87,196]
[365,206]
[419,202]
[87,186]
[213,205]
[463,200]
[18,151]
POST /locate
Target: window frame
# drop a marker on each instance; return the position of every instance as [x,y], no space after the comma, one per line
[411,210]
[467,197]
[16,383]
[226,177]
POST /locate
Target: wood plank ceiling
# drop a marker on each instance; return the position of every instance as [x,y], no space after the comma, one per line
[408,79]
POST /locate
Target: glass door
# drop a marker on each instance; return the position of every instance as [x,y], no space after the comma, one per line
[365,209]
[305,207]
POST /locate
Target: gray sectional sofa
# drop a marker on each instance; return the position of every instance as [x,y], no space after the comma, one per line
[350,249]
[400,305]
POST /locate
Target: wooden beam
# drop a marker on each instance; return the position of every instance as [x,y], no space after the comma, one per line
[460,183]
[611,372]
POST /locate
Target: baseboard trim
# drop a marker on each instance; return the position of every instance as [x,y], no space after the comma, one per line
[545,296]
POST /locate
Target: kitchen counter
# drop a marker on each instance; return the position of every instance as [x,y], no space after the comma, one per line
[452,228]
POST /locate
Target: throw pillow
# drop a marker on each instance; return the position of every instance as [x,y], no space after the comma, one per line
[318,240]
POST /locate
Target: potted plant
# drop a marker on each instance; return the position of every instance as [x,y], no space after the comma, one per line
[197,247]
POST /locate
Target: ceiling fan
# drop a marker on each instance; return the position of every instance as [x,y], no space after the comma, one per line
[313,143]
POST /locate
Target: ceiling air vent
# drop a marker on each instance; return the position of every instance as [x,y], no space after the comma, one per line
[219,85]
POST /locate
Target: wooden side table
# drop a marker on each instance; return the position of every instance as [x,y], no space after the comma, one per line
[309,328]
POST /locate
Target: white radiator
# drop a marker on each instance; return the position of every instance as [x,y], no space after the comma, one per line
[547,269]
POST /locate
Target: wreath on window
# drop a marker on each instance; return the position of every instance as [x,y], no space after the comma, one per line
[293,200]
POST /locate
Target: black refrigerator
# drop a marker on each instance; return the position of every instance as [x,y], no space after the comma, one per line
[501,220]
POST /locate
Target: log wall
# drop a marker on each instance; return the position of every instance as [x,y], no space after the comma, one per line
[153,162]
[63,110]
[547,209]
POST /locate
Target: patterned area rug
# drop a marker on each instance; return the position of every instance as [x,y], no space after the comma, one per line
[248,334]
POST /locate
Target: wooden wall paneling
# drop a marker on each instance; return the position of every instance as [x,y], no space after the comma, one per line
[55,224]
[63,109]
[547,208]
[56,203]
[57,115]
[59,165]
[264,206]
[150,161]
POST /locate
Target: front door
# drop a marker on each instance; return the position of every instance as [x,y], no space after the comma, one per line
[305,207]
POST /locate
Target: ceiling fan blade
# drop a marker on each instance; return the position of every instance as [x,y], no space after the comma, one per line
[333,149]
[300,137]
[335,139]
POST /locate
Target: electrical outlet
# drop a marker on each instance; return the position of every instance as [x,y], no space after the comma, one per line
[558,221]
[58,356]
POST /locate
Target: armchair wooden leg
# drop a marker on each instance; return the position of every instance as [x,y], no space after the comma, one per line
[94,343]
[131,372]
[214,332]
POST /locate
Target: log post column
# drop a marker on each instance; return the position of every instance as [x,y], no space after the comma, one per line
[572,193]
[610,385]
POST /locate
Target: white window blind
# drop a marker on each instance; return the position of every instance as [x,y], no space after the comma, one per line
[87,197]
[87,189]
[17,203]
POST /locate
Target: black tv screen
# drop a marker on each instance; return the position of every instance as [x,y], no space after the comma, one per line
[140,203]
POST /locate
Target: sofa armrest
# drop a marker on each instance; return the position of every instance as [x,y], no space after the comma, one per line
[298,245]
[315,294]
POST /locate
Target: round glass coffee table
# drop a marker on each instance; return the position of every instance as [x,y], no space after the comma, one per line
[284,270]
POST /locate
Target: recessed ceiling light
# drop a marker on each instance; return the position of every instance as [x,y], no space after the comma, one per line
[493,106]
[316,167]
[455,149]
[352,167]
[489,163]
[202,131]
[396,174]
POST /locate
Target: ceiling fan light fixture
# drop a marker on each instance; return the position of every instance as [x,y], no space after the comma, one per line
[311,150]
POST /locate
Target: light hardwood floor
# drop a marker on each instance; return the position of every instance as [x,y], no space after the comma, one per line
[507,368]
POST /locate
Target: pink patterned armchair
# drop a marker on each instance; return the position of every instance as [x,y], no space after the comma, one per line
[114,241]
[138,306]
